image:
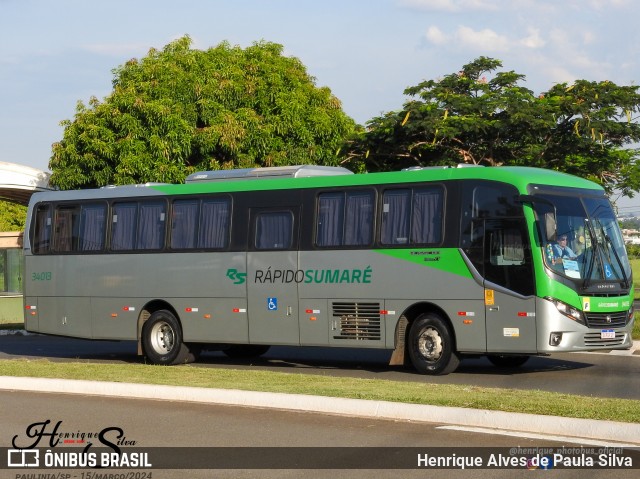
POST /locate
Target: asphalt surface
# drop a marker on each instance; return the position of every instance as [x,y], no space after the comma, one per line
[611,432]
[597,375]
[311,445]
[608,431]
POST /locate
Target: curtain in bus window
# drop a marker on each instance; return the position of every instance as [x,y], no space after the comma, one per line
[92,227]
[274,230]
[151,226]
[426,217]
[65,231]
[359,219]
[513,251]
[184,224]
[123,230]
[330,219]
[214,224]
[395,217]
[42,234]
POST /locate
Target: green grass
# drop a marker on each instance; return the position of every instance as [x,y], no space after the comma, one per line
[511,400]
[12,325]
[635,269]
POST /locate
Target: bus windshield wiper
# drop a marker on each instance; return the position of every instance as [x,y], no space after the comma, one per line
[607,238]
[625,278]
[592,258]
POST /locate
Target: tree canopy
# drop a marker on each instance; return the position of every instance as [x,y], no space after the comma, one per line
[181,110]
[12,216]
[483,116]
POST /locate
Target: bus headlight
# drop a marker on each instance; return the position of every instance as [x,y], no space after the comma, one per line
[567,310]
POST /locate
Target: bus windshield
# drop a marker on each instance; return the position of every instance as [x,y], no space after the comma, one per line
[587,244]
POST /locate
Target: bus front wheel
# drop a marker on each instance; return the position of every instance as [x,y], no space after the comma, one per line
[162,340]
[431,346]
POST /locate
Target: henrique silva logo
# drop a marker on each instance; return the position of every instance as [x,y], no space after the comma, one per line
[25,455]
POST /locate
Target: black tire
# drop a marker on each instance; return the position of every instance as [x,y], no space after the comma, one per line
[238,351]
[162,340]
[431,346]
[507,361]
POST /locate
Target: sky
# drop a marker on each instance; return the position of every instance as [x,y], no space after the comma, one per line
[56,53]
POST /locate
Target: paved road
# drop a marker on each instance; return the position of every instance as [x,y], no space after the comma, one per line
[175,424]
[598,375]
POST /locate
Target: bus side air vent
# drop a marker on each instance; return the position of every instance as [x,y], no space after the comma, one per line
[359,321]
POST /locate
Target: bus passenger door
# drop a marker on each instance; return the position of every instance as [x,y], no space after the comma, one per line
[509,287]
[272,265]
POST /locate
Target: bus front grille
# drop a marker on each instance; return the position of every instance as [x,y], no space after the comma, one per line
[594,340]
[606,320]
[359,321]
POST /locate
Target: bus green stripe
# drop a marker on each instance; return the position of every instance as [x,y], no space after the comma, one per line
[443,259]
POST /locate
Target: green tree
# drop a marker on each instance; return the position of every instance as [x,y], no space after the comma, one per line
[483,116]
[12,216]
[181,110]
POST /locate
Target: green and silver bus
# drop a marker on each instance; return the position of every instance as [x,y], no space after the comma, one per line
[433,264]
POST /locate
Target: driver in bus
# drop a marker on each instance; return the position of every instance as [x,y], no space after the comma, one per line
[561,249]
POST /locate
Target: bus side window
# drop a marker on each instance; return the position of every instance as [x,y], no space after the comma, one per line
[396,211]
[123,226]
[65,233]
[427,213]
[93,219]
[485,200]
[41,243]
[184,225]
[201,224]
[508,260]
[345,219]
[215,219]
[274,230]
[151,223]
[412,216]
[330,219]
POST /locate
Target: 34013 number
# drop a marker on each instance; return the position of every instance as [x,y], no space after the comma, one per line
[43,276]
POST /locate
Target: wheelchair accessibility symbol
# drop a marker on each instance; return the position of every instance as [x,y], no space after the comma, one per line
[607,271]
[272,304]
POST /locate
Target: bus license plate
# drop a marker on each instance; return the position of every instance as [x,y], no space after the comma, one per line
[607,334]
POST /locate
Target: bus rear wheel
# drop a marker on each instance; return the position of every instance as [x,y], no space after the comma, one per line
[431,346]
[507,361]
[162,340]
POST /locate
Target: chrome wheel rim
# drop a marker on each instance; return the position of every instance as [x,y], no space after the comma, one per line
[162,338]
[430,344]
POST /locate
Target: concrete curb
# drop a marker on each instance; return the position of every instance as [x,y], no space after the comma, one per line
[617,432]
[634,350]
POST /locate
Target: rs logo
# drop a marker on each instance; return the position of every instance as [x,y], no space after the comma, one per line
[237,278]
